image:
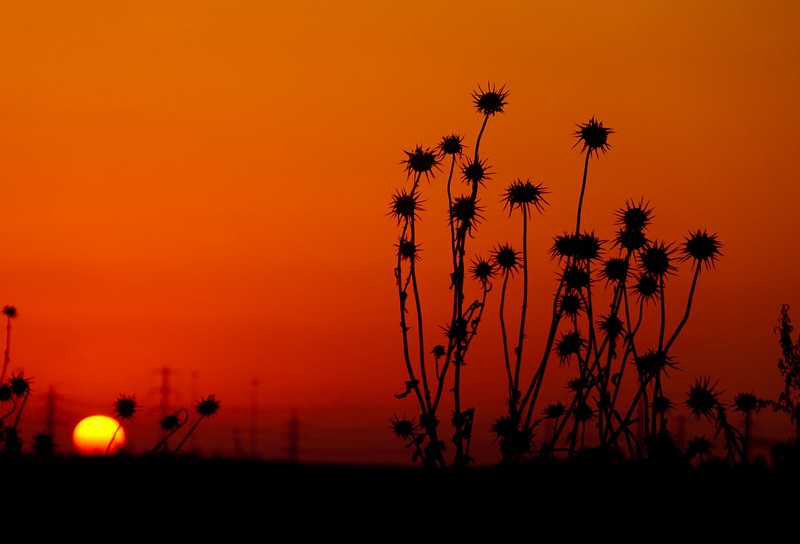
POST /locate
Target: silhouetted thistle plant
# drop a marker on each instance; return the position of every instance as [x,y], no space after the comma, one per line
[205,408]
[746,404]
[170,424]
[14,394]
[703,401]
[125,408]
[603,345]
[428,384]
[619,380]
[44,444]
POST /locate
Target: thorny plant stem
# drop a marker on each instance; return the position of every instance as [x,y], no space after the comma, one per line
[113,438]
[583,190]
[524,311]
[6,357]
[688,308]
[188,434]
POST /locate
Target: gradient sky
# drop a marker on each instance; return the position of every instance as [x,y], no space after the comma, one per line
[203,187]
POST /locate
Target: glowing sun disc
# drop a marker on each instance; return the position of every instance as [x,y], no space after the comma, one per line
[93,434]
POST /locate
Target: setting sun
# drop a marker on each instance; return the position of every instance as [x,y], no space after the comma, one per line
[93,434]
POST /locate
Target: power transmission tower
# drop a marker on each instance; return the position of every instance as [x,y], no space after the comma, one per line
[294,437]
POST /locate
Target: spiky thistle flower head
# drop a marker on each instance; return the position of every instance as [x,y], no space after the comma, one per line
[577,384]
[615,270]
[746,403]
[169,422]
[702,248]
[653,362]
[403,428]
[476,172]
[554,411]
[646,288]
[19,384]
[457,329]
[589,247]
[584,247]
[570,304]
[407,250]
[421,161]
[656,259]
[593,136]
[662,404]
[525,195]
[506,257]
[482,270]
[612,326]
[634,217]
[405,206]
[703,399]
[698,446]
[583,412]
[564,246]
[5,392]
[631,240]
[43,443]
[570,344]
[438,351]
[451,145]
[207,407]
[466,212]
[10,311]
[125,407]
[515,441]
[576,277]
[490,101]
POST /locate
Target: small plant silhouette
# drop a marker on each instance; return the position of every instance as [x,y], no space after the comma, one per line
[125,408]
[205,408]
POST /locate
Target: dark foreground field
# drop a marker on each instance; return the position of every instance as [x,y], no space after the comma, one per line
[195,497]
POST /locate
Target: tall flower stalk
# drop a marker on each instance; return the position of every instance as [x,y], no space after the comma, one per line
[125,408]
[204,409]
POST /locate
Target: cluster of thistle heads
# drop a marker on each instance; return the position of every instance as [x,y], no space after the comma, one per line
[126,407]
[16,390]
[633,266]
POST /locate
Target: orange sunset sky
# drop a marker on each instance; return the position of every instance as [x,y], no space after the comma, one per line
[202,187]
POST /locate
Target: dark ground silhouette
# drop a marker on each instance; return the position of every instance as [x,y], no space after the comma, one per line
[190,496]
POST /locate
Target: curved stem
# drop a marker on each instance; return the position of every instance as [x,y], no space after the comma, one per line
[113,438]
[188,433]
[686,313]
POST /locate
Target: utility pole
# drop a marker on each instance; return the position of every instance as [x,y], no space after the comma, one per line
[195,378]
[254,420]
[294,437]
[50,412]
[164,392]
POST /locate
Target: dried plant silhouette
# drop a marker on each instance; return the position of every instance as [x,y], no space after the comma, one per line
[16,391]
[608,322]
[428,380]
[125,408]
